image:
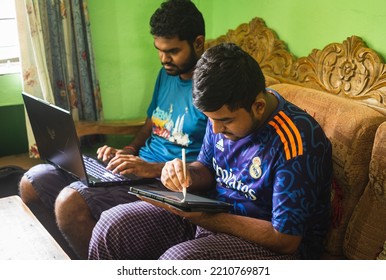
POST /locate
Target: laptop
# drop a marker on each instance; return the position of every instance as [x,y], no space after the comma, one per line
[192,202]
[58,144]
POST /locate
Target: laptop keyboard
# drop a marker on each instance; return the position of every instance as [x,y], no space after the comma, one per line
[97,170]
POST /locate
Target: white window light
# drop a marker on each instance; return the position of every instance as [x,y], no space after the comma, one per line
[9,42]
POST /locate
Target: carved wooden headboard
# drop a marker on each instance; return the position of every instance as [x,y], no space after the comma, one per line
[349,69]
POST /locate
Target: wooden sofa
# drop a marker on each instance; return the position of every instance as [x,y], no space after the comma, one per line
[343,87]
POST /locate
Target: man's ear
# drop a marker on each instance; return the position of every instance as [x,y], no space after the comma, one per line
[259,106]
[199,43]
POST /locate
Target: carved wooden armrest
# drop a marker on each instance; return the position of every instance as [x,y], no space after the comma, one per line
[130,127]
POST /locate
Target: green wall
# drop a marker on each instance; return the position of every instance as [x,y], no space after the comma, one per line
[304,24]
[13,138]
[127,63]
[10,89]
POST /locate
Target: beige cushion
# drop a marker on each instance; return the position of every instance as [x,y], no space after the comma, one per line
[366,231]
[351,127]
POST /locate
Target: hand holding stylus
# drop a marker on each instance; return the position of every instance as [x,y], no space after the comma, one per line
[175,175]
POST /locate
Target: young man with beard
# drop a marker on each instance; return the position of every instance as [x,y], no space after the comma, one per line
[263,155]
[172,123]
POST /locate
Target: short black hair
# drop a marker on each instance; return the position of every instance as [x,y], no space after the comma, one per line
[226,75]
[177,18]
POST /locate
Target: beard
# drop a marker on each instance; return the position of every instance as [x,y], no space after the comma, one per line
[186,67]
[255,124]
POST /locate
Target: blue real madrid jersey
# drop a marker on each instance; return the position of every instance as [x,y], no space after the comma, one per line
[280,173]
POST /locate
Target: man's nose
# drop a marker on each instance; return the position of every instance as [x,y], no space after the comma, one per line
[165,58]
[217,127]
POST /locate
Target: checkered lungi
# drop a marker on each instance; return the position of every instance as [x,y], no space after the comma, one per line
[142,231]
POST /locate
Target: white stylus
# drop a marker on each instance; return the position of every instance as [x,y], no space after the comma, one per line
[184,170]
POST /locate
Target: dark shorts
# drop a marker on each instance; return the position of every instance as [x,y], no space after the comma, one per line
[48,181]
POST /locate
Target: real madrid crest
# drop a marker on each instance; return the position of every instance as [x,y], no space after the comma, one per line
[255,168]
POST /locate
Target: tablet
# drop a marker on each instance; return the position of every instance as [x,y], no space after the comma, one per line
[192,203]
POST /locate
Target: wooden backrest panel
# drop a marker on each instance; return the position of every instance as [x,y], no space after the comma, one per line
[349,69]
[263,44]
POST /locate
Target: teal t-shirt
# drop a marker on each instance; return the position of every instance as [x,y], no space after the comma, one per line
[176,122]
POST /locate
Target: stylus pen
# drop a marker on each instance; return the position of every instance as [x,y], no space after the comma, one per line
[184,170]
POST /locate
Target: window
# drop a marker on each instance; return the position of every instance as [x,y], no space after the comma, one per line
[9,42]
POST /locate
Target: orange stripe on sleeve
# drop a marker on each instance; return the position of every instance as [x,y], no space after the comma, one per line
[295,131]
[282,138]
[289,135]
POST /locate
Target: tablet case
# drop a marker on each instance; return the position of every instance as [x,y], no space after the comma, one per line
[192,203]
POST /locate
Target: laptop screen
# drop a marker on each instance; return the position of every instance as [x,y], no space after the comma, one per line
[55,135]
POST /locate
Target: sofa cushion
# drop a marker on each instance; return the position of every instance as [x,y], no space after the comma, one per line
[351,127]
[365,234]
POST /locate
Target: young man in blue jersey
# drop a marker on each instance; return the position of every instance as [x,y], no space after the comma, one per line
[172,123]
[265,156]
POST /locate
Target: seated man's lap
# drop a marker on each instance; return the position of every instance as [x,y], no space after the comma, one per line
[157,228]
[100,199]
[48,181]
[164,235]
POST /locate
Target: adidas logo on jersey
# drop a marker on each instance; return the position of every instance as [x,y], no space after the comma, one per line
[220,145]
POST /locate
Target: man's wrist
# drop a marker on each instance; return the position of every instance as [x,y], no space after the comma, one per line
[131,148]
[157,169]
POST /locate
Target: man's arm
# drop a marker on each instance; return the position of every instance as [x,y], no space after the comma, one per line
[257,231]
[141,137]
[106,153]
[124,162]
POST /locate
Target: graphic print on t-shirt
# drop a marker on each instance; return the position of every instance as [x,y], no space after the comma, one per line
[165,127]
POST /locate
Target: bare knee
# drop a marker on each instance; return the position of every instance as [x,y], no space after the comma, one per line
[71,208]
[74,220]
[27,191]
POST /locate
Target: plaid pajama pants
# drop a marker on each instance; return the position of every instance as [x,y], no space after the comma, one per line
[142,231]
